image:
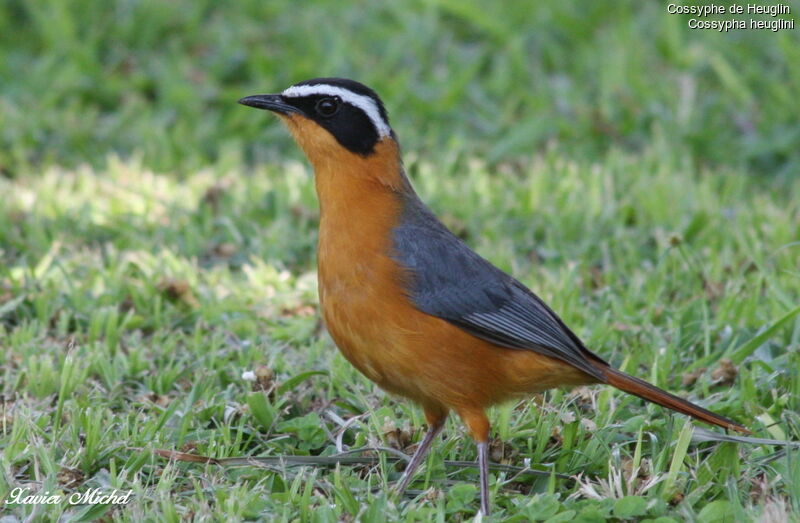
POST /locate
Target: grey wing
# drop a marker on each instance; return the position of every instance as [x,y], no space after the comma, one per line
[450,281]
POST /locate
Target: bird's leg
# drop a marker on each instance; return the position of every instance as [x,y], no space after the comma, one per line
[418,456]
[478,425]
[435,416]
[483,466]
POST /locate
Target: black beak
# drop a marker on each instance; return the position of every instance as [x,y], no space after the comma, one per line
[270,102]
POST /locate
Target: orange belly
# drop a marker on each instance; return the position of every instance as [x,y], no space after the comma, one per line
[422,357]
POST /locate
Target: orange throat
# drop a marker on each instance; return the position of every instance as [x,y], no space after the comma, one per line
[360,203]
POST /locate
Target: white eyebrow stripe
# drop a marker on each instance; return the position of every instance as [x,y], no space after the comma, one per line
[365,103]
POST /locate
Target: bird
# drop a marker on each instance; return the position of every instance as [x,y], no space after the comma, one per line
[407,302]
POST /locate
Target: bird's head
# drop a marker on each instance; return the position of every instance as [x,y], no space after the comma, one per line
[330,116]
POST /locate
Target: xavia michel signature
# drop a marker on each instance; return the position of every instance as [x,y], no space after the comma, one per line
[21,496]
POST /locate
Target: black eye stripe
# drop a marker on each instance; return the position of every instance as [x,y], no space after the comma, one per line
[348,123]
[328,106]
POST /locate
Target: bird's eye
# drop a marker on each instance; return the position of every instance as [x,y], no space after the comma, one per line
[328,106]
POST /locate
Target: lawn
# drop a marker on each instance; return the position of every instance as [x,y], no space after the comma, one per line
[157,243]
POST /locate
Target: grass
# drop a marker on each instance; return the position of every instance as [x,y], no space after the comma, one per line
[157,242]
[501,82]
[137,300]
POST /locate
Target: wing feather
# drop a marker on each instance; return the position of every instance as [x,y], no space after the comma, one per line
[449,280]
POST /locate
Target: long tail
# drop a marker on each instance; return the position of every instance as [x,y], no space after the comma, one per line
[652,393]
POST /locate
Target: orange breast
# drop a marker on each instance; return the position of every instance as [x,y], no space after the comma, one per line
[375,325]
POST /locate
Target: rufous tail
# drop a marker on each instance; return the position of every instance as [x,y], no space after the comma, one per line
[652,393]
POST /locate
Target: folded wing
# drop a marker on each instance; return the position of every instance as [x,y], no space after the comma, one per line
[449,280]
